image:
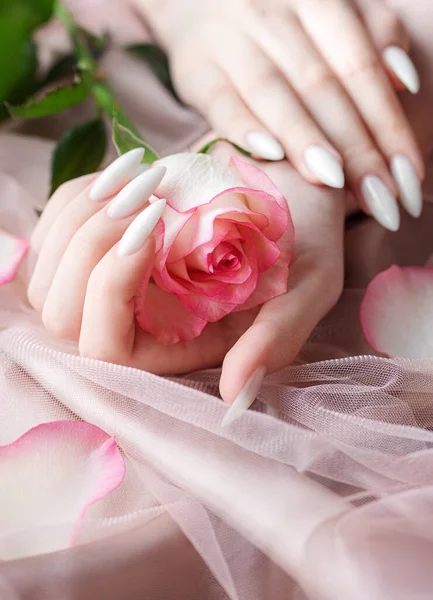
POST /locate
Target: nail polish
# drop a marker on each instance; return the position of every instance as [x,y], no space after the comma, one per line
[245,398]
[135,195]
[264,145]
[402,66]
[140,229]
[408,184]
[116,175]
[380,202]
[324,166]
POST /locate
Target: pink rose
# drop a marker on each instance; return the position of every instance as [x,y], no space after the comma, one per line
[227,245]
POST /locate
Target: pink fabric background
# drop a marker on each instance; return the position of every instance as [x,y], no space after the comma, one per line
[325,487]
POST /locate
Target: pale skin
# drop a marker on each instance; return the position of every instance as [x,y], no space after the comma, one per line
[85,291]
[309,72]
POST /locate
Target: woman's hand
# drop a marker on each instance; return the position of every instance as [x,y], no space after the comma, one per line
[91,266]
[309,79]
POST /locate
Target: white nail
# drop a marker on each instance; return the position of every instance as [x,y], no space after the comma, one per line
[245,398]
[264,145]
[324,166]
[135,195]
[400,63]
[140,229]
[381,202]
[408,184]
[116,175]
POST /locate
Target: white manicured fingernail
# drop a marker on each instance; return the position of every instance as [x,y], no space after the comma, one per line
[245,398]
[408,184]
[324,166]
[140,229]
[135,195]
[116,175]
[402,66]
[264,145]
[381,202]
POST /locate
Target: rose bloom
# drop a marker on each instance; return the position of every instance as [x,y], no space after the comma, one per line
[225,246]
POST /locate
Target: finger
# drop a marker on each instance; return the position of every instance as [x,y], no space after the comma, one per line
[391,39]
[277,335]
[272,100]
[56,204]
[229,115]
[61,229]
[326,100]
[343,41]
[108,326]
[63,307]
[285,323]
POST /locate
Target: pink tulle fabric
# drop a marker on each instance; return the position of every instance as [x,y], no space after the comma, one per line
[323,492]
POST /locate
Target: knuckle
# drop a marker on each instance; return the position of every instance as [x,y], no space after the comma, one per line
[316,78]
[217,95]
[362,66]
[267,79]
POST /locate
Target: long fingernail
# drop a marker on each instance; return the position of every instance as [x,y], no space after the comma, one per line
[381,202]
[135,195]
[402,66]
[408,184]
[116,175]
[245,398]
[324,166]
[264,145]
[140,229]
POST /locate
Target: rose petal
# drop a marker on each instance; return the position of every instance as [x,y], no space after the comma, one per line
[270,284]
[270,201]
[193,179]
[234,295]
[397,312]
[163,316]
[12,252]
[50,476]
[200,228]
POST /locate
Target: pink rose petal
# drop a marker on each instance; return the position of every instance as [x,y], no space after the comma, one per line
[12,252]
[50,476]
[163,316]
[192,180]
[268,201]
[397,312]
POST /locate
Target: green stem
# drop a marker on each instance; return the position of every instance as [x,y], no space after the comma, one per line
[208,147]
[84,56]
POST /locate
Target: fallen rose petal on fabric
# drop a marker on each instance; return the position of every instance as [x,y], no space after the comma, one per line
[49,477]
[12,252]
[397,312]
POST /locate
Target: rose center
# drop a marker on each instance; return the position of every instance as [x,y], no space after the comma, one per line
[225,258]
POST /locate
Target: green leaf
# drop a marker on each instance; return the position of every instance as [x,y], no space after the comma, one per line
[208,147]
[53,102]
[158,62]
[18,20]
[125,140]
[27,83]
[80,152]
